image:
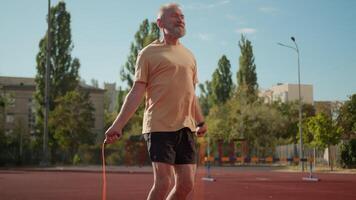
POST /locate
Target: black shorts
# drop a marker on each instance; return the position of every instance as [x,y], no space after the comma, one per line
[176,147]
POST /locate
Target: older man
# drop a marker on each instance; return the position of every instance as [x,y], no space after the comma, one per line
[166,73]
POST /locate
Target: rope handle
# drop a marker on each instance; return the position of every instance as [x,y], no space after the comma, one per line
[104,188]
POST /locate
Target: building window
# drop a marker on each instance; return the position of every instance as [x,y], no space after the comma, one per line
[31,119]
[285,96]
[12,102]
[8,132]
[9,118]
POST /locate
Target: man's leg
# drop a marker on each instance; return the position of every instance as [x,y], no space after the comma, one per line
[162,173]
[184,182]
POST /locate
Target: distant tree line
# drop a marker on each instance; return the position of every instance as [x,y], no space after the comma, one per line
[234,113]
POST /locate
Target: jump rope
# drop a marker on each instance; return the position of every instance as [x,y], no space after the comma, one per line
[104,187]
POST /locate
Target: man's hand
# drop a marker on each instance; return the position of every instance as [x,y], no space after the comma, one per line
[131,102]
[112,134]
[201,130]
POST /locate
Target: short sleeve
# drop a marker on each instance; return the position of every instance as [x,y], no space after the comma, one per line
[141,69]
[195,75]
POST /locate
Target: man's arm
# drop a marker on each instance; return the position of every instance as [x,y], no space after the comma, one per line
[199,118]
[198,113]
[129,107]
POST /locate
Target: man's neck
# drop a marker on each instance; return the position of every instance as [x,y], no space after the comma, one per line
[170,40]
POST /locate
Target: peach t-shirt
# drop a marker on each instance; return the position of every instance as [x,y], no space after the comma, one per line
[170,74]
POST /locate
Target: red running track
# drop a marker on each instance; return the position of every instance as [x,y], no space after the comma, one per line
[230,184]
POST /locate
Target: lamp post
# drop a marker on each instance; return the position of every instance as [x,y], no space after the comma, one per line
[45,161]
[301,152]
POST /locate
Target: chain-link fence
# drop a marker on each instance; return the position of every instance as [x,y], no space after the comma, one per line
[320,157]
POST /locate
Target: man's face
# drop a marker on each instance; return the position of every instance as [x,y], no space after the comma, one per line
[173,23]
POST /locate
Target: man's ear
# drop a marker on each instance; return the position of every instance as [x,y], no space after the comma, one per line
[159,23]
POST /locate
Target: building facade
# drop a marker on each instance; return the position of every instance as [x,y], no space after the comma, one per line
[110,96]
[288,92]
[19,110]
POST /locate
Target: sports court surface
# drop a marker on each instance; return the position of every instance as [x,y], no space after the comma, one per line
[134,183]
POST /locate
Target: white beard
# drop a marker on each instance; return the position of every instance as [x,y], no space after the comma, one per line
[178,32]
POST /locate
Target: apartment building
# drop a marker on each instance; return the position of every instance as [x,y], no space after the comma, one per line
[111,96]
[288,92]
[19,111]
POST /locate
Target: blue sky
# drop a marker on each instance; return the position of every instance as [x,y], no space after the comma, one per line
[102,31]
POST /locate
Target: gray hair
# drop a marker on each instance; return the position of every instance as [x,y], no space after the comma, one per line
[163,9]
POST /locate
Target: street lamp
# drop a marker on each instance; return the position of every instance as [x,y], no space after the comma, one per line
[45,161]
[301,153]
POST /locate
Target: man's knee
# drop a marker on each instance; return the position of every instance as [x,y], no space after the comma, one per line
[185,187]
[162,183]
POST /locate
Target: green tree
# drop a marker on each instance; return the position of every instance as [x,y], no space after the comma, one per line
[147,33]
[221,83]
[4,139]
[347,117]
[220,126]
[321,132]
[247,83]
[290,112]
[259,124]
[15,147]
[6,100]
[63,68]
[348,154]
[2,113]
[246,76]
[205,98]
[3,148]
[214,101]
[72,122]
[214,96]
